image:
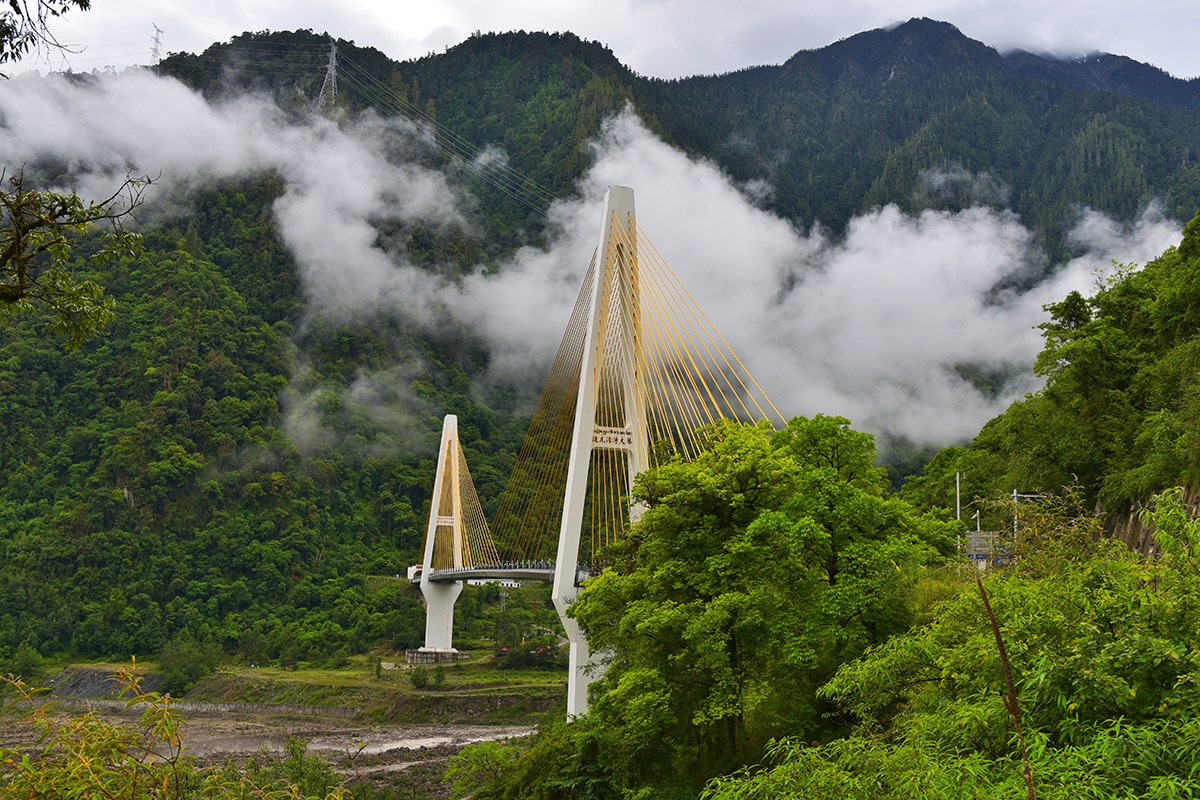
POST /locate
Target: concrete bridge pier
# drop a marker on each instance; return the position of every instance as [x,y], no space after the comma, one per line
[445,510]
[439,614]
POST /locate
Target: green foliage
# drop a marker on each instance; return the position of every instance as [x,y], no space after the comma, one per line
[1105,656]
[25,663]
[155,488]
[184,661]
[516,619]
[1119,408]
[418,676]
[537,654]
[206,471]
[477,767]
[866,122]
[753,572]
[37,231]
[90,756]
[1151,760]
[297,773]
[833,132]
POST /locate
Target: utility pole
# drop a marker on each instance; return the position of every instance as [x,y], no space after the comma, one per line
[328,97]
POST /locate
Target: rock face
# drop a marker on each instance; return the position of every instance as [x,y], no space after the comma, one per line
[94,682]
[1138,532]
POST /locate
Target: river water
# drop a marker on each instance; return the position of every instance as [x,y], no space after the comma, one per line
[209,736]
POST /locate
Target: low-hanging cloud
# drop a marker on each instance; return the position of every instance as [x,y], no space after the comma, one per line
[957,184]
[340,181]
[882,325]
[376,414]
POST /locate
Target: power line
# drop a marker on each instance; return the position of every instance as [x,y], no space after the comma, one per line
[515,185]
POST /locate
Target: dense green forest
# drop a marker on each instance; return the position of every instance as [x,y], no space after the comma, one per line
[151,493]
[833,132]
[154,489]
[1117,416]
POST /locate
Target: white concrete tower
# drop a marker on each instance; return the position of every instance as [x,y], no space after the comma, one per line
[611,345]
[445,512]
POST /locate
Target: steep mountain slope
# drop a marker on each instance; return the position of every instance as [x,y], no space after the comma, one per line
[1118,416]
[1108,73]
[874,119]
[153,485]
[868,120]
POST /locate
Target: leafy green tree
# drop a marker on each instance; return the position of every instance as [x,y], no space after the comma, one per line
[184,661]
[25,662]
[1118,411]
[1104,657]
[297,773]
[478,767]
[753,573]
[37,230]
[418,676]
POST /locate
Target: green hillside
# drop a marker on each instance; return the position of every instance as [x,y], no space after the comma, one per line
[833,132]
[1118,414]
[157,482]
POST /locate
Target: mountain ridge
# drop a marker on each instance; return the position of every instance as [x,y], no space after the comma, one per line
[833,132]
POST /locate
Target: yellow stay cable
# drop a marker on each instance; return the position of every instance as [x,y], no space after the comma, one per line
[684,413]
[550,458]
[778,416]
[705,357]
[535,459]
[696,378]
[703,339]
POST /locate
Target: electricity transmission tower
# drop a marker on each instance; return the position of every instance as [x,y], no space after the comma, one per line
[329,88]
[156,47]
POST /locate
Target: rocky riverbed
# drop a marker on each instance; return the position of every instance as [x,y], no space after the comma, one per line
[393,755]
[413,757]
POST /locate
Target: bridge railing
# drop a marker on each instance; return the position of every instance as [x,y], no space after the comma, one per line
[415,572]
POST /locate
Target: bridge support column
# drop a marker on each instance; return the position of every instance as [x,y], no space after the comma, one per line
[445,513]
[439,614]
[582,670]
[615,281]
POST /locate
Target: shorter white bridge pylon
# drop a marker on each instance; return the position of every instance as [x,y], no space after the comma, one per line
[456,540]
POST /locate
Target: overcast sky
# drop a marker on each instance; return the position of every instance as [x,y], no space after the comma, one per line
[663,38]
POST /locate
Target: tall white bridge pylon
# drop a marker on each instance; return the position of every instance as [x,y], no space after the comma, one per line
[640,375]
[609,417]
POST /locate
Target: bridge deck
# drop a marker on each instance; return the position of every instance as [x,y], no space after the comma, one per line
[532,571]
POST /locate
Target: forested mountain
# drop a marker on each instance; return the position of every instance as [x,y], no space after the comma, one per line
[859,123]
[832,132]
[151,485]
[1109,73]
[1117,418]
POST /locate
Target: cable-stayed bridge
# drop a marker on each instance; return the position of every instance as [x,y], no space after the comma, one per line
[640,376]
